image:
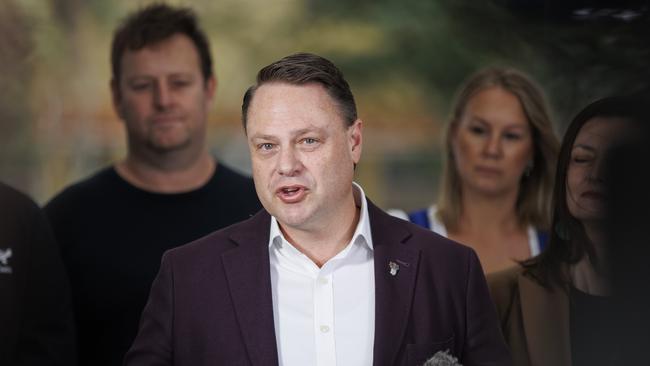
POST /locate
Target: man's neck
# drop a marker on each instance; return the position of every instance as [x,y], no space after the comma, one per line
[169,174]
[323,243]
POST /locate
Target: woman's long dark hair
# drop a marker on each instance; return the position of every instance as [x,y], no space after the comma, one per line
[568,242]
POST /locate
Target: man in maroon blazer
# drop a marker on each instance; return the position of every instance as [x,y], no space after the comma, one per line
[321,276]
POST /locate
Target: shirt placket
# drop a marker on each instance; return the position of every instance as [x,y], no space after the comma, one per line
[324,320]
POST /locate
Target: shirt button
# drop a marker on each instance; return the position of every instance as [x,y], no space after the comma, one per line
[322,281]
[324,328]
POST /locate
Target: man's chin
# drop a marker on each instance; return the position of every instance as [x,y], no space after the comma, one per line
[293,221]
[168,145]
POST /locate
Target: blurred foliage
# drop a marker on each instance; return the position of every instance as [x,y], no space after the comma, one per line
[404,60]
[578,52]
[15,118]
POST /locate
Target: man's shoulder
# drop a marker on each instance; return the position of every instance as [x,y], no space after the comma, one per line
[233,189]
[92,186]
[12,199]
[430,244]
[432,241]
[75,200]
[226,176]
[222,240]
[16,208]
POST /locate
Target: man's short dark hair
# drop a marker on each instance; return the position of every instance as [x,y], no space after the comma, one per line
[156,23]
[306,68]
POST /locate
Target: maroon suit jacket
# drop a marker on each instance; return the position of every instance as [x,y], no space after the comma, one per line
[211,301]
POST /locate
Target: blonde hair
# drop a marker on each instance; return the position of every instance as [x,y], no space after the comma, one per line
[533,202]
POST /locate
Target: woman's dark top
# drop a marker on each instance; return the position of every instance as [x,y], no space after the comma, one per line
[592,334]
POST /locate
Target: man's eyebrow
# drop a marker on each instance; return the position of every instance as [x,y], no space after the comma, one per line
[138,77]
[145,75]
[262,137]
[181,75]
[303,131]
[300,132]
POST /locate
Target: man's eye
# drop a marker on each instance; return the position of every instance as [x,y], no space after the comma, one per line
[140,86]
[309,141]
[180,83]
[266,146]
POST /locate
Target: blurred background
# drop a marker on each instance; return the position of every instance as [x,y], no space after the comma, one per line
[403,59]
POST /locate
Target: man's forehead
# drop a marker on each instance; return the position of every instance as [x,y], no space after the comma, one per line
[176,53]
[278,91]
[292,101]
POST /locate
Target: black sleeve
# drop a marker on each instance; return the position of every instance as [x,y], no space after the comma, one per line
[46,333]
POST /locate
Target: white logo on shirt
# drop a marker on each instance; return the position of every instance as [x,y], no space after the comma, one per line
[4,261]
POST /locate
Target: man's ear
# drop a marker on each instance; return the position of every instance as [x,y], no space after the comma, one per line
[355,138]
[211,88]
[117,97]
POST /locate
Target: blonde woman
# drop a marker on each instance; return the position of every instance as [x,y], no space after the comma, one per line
[500,152]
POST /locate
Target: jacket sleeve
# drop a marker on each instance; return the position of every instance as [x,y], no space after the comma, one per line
[485,344]
[153,344]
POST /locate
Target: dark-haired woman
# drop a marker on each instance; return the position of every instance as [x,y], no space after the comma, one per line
[553,308]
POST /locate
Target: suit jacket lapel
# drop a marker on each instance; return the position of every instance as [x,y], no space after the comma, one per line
[546,321]
[248,274]
[393,293]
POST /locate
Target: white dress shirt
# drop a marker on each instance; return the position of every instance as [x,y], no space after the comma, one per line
[325,316]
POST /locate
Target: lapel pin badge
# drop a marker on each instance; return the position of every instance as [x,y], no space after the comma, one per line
[393,268]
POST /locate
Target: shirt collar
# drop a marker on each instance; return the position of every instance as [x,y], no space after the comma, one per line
[361,233]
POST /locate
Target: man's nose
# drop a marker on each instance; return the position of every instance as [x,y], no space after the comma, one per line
[289,163]
[162,95]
